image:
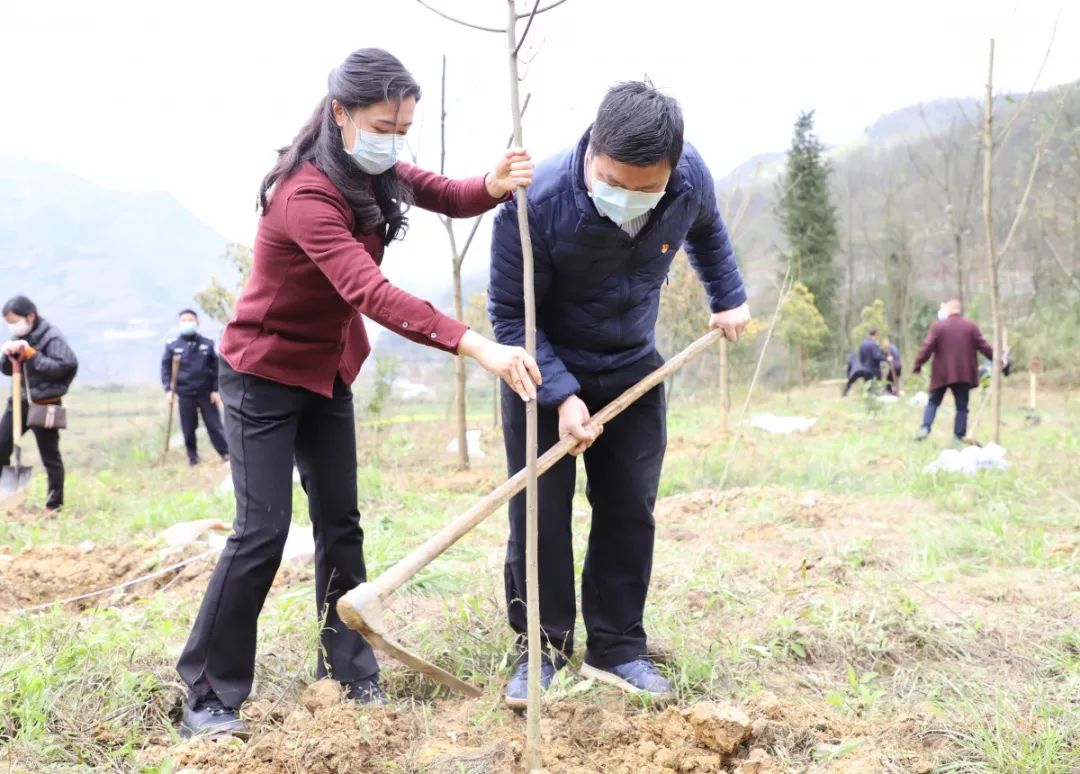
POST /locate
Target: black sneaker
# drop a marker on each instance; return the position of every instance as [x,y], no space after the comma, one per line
[209,717]
[366,691]
[193,461]
[517,690]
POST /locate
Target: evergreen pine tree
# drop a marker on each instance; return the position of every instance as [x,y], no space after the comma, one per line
[808,218]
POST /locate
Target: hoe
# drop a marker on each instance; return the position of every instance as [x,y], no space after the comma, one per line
[362,608]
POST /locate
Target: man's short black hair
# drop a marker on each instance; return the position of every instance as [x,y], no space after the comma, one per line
[872,332]
[192,312]
[638,125]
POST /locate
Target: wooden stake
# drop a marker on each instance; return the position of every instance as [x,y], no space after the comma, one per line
[991,253]
[533,757]
[725,397]
[1033,381]
[174,375]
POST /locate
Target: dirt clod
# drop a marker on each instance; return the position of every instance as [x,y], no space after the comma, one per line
[758,762]
[321,695]
[719,728]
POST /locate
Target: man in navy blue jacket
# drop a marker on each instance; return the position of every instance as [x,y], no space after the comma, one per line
[196,385]
[870,358]
[607,217]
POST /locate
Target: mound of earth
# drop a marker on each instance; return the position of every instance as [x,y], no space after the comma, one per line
[328,734]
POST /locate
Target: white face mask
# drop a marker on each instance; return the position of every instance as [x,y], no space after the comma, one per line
[20,328]
[621,205]
[375,153]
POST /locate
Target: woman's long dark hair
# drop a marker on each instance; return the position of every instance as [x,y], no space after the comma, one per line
[378,202]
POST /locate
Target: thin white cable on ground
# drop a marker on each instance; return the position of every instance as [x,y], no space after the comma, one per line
[119,586]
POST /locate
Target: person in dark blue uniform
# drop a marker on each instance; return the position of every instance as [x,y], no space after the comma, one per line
[868,361]
[196,385]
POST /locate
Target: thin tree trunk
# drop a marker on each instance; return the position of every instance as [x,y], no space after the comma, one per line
[991,253]
[456,259]
[958,239]
[459,376]
[533,757]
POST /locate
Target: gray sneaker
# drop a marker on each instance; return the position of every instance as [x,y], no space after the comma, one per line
[637,676]
[517,689]
[923,433]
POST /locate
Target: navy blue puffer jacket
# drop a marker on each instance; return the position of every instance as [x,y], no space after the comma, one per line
[598,289]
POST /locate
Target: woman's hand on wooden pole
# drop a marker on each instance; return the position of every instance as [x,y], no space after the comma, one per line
[511,364]
[513,170]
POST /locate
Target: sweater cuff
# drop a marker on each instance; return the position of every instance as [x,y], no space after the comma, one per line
[552,393]
[731,300]
[488,198]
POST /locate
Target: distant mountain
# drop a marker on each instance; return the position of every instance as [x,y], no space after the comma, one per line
[110,268]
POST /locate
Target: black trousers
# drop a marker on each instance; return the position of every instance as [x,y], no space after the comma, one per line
[190,406]
[856,376]
[961,392]
[623,470]
[269,425]
[48,443]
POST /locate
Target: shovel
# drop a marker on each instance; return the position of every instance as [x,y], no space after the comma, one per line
[363,607]
[172,403]
[15,478]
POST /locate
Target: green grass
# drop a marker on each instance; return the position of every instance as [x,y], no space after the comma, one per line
[894,594]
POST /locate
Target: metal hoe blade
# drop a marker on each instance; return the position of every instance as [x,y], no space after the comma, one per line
[361,609]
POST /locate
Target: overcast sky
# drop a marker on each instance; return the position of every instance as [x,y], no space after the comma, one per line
[193,98]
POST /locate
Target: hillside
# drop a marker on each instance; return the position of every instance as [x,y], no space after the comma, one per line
[889,190]
[110,268]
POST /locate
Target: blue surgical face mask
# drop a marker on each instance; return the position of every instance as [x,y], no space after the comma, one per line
[188,328]
[621,205]
[375,153]
[942,314]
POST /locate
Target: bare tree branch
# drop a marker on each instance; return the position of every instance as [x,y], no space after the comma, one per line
[1027,97]
[1027,189]
[529,61]
[528,26]
[462,22]
[442,120]
[480,217]
[925,172]
[535,12]
[964,115]
[1061,263]
[545,9]
[744,203]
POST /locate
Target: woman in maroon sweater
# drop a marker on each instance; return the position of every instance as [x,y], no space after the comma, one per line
[332,203]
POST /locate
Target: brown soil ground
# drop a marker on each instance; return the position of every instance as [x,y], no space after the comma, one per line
[44,574]
[329,735]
